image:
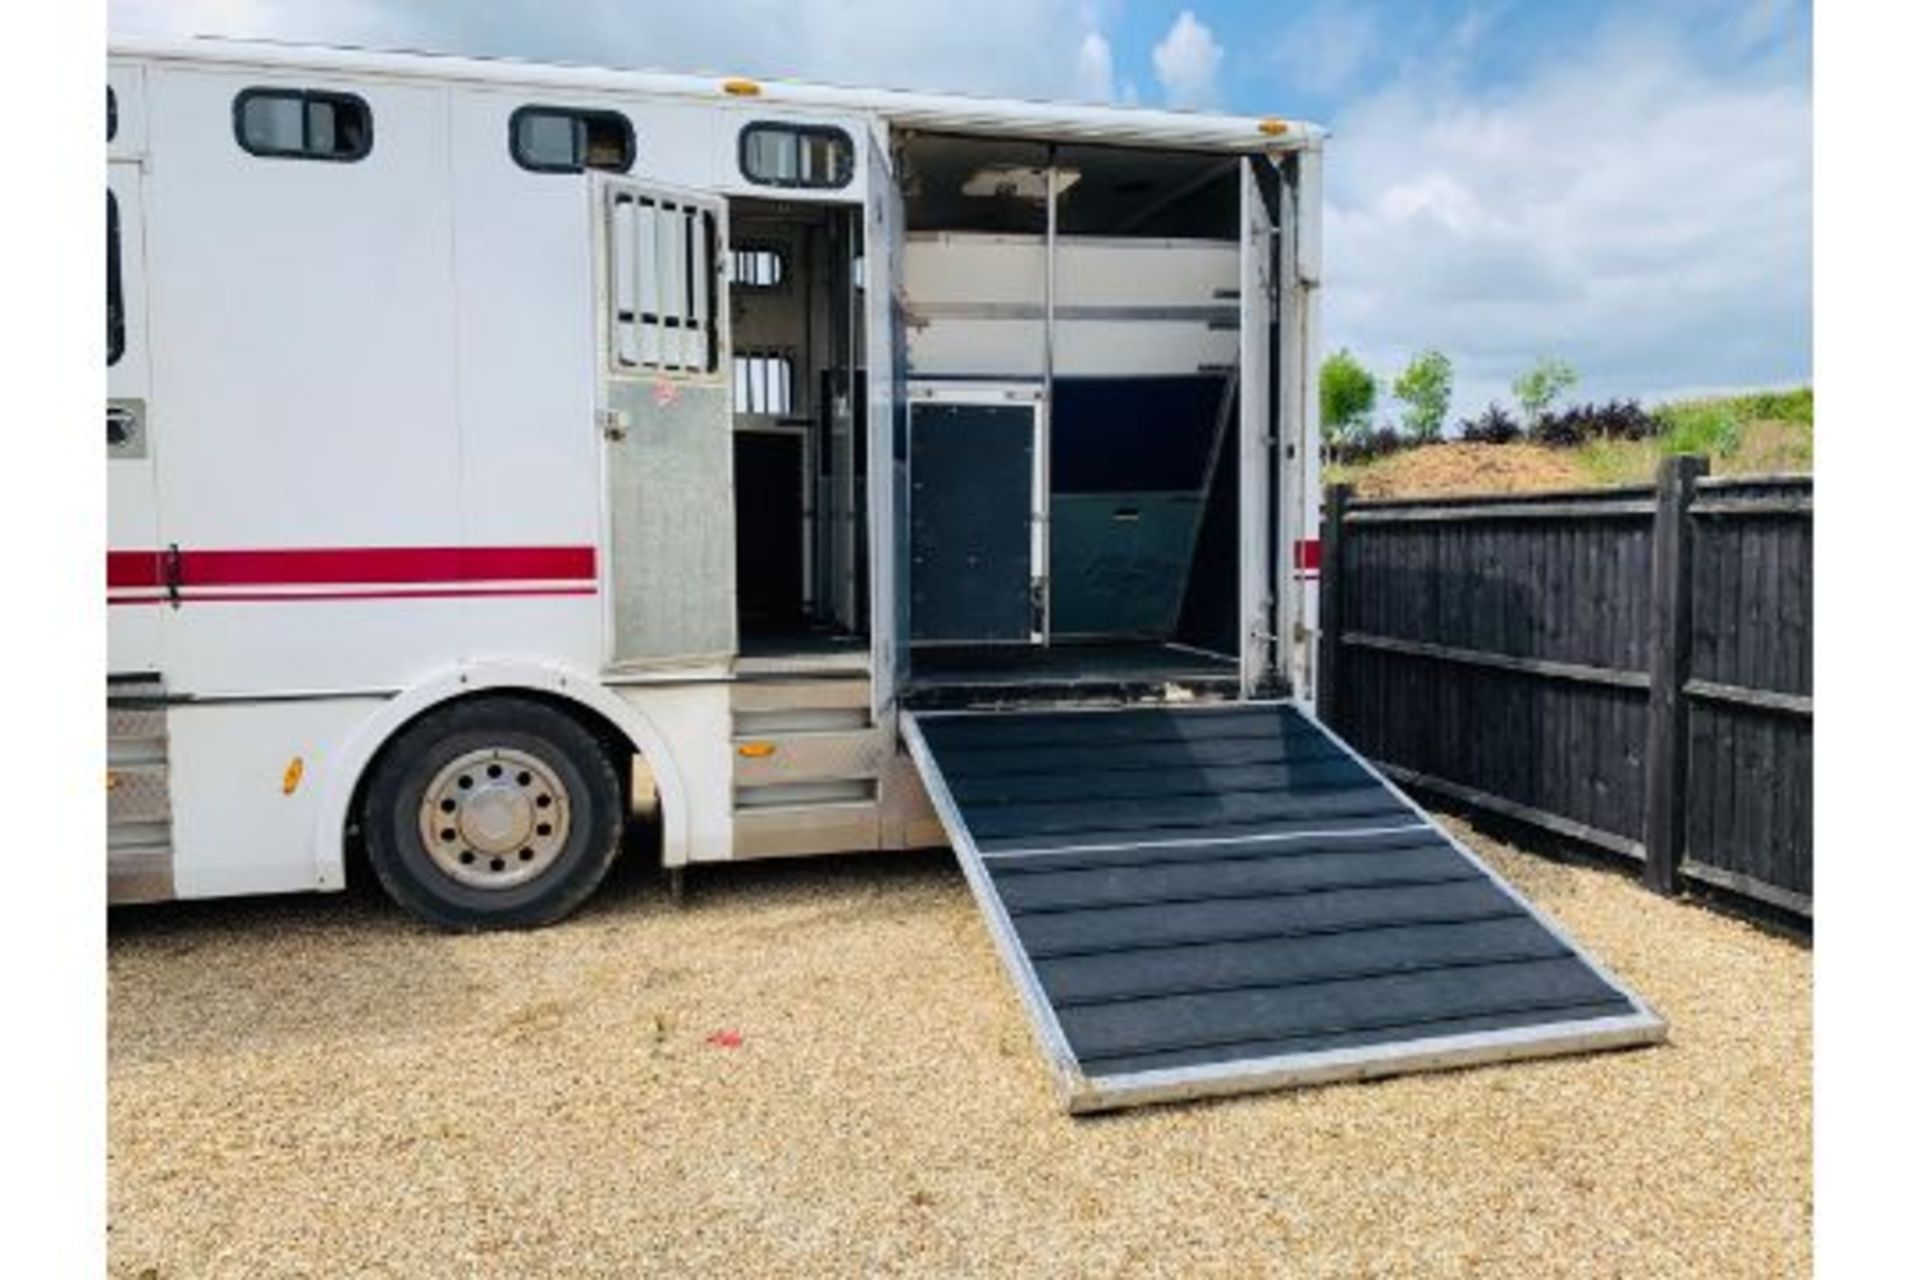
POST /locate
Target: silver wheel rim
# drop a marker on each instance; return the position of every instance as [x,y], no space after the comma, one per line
[494,818]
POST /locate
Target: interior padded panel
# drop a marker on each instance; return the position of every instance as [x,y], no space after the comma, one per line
[767,549]
[1210,609]
[1129,462]
[1134,435]
[1119,561]
[971,557]
[1253,894]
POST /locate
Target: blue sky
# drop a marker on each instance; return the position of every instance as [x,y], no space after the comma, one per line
[1625,185]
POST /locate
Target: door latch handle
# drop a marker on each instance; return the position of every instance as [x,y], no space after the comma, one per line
[170,574]
[613,424]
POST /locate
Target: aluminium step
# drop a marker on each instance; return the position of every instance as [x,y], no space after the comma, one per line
[1220,898]
[139,793]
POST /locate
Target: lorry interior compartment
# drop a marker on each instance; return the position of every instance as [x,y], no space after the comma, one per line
[1124,322]
[798,503]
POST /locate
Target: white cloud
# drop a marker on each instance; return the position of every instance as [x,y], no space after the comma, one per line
[1625,210]
[1093,73]
[1186,61]
[1325,49]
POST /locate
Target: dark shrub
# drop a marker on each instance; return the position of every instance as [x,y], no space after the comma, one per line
[1563,430]
[1364,444]
[1495,426]
[1614,420]
[1625,420]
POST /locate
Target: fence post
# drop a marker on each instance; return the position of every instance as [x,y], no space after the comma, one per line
[1333,514]
[1671,618]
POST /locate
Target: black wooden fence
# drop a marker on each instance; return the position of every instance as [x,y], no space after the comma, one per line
[1628,667]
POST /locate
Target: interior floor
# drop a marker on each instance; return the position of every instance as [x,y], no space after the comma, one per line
[803,652]
[958,675]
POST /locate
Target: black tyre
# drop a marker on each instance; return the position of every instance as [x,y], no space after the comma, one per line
[492,813]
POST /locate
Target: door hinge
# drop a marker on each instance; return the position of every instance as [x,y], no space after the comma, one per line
[613,424]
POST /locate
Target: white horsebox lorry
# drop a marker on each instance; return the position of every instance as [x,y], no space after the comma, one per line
[497,450]
[504,460]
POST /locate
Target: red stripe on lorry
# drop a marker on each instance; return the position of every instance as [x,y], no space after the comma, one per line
[343,566]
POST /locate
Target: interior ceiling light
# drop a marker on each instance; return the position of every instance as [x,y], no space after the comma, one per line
[1018,182]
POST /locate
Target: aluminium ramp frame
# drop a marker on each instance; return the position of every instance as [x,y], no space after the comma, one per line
[1208,899]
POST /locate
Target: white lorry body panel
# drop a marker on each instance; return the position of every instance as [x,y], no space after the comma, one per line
[367,467]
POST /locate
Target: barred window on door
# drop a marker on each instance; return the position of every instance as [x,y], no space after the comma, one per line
[661,292]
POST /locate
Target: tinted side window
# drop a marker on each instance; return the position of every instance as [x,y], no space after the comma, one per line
[564,140]
[116,310]
[791,155]
[303,124]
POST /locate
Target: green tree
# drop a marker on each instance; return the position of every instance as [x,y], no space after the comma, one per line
[1347,393]
[1540,386]
[1425,386]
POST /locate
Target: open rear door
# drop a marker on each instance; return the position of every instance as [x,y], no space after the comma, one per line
[1258,434]
[886,424]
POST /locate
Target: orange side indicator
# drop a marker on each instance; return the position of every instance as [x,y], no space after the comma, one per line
[290,780]
[757,750]
[741,87]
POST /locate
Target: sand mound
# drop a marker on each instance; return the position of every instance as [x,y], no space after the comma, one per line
[1440,469]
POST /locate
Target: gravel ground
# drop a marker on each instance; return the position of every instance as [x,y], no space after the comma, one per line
[817,1068]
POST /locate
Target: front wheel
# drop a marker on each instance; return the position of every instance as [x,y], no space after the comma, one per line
[492,813]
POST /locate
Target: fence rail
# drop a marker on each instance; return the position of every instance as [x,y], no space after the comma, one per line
[1628,667]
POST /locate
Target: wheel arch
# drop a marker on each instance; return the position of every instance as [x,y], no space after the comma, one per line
[348,770]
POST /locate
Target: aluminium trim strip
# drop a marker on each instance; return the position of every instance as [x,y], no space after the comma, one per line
[1068,1077]
[1197,842]
[1367,1062]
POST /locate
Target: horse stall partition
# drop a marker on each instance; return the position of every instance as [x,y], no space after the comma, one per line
[1631,668]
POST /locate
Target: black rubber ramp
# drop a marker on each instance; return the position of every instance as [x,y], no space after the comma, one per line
[1218,898]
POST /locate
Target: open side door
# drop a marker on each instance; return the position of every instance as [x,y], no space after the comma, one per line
[137,568]
[886,348]
[1297,569]
[1259,436]
[665,418]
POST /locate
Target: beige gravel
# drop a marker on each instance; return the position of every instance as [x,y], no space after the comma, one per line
[318,1087]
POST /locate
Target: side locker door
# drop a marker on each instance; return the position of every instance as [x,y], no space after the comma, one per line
[1258,436]
[135,563]
[666,421]
[887,514]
